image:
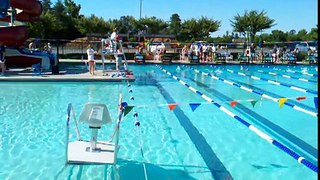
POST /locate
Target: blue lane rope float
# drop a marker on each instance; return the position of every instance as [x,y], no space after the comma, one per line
[295,107]
[288,77]
[296,88]
[138,130]
[137,125]
[264,136]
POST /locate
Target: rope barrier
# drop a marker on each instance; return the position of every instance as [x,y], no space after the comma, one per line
[137,125]
[258,132]
[296,88]
[304,73]
[297,72]
[286,76]
[295,107]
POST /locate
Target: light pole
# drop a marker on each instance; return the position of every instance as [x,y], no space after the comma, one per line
[140,8]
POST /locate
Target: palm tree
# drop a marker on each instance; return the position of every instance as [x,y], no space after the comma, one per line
[251,23]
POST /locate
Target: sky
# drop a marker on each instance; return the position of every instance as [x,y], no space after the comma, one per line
[288,14]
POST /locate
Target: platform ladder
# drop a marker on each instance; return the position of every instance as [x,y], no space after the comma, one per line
[112,50]
[93,152]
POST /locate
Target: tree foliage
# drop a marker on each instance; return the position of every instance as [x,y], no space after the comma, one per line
[251,23]
[62,20]
[196,30]
[175,24]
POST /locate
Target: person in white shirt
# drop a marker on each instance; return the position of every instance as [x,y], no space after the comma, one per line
[90,53]
[204,53]
[114,34]
[184,53]
[113,38]
[213,50]
[49,49]
[119,58]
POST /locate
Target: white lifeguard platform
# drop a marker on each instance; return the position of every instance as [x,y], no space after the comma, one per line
[111,47]
[93,152]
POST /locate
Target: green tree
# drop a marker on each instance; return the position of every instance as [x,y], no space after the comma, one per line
[46,5]
[251,23]
[153,25]
[291,35]
[302,35]
[70,18]
[92,24]
[207,26]
[59,10]
[51,25]
[72,9]
[313,34]
[189,30]
[278,36]
[48,26]
[175,25]
[196,30]
[36,29]
[126,24]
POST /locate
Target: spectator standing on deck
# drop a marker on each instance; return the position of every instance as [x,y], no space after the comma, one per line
[252,52]
[213,49]
[205,52]
[184,53]
[113,38]
[90,54]
[49,50]
[2,59]
[32,46]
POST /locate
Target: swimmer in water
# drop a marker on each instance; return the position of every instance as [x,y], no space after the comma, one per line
[178,69]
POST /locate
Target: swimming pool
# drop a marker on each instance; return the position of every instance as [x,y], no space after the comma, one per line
[180,144]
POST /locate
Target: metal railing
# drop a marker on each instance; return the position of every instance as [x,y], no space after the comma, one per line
[69,111]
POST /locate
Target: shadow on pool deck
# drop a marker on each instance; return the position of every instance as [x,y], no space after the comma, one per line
[74,75]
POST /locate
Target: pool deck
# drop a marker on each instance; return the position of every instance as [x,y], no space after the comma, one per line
[74,75]
[27,75]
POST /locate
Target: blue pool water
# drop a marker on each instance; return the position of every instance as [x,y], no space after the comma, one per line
[179,144]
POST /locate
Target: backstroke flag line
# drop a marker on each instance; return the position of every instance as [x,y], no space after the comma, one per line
[282,101]
[172,106]
[127,109]
[253,103]
[194,106]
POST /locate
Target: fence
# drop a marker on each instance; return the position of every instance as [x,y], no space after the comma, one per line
[75,49]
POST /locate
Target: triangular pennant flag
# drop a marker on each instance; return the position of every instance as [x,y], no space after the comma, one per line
[253,103]
[194,106]
[316,102]
[127,109]
[282,101]
[301,98]
[172,106]
[124,104]
[233,103]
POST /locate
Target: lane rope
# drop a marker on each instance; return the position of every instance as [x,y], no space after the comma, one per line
[296,72]
[138,132]
[258,132]
[295,107]
[296,88]
[287,76]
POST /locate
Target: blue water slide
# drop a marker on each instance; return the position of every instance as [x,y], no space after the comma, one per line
[4,6]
